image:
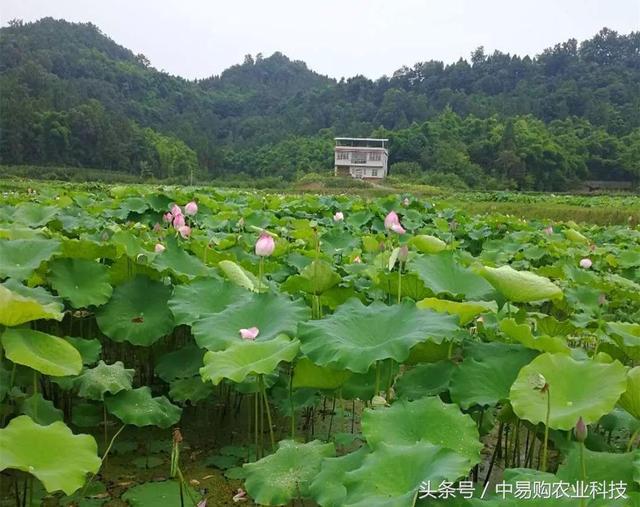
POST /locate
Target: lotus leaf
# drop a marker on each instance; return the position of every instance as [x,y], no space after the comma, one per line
[89,349]
[238,275]
[521,286]
[442,274]
[600,466]
[315,278]
[466,311]
[328,487]
[425,380]
[272,314]
[16,309]
[244,358]
[40,410]
[627,336]
[356,336]
[82,282]
[181,363]
[156,494]
[308,374]
[287,473]
[523,334]
[192,389]
[201,298]
[104,378]
[427,419]
[19,258]
[42,352]
[137,312]
[584,389]
[140,408]
[630,399]
[55,456]
[428,244]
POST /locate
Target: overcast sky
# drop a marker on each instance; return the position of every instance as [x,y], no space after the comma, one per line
[198,38]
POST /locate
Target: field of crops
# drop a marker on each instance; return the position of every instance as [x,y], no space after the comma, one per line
[165,346]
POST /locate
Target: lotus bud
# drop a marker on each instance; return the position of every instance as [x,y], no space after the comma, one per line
[538,382]
[191,208]
[176,210]
[390,219]
[178,221]
[378,402]
[159,248]
[580,430]
[167,217]
[405,202]
[403,253]
[585,263]
[397,228]
[177,436]
[157,227]
[250,333]
[548,230]
[265,245]
[602,299]
[357,260]
[184,231]
[240,223]
[338,216]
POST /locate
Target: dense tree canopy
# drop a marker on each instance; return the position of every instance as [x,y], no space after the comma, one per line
[72,96]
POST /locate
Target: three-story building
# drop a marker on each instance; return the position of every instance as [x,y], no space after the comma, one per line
[364,158]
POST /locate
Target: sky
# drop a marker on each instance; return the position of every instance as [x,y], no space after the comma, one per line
[339,38]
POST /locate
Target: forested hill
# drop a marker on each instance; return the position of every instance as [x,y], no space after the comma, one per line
[69,95]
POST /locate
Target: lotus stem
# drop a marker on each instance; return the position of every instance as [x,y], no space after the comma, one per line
[255,398]
[632,440]
[266,406]
[293,413]
[260,273]
[377,378]
[583,470]
[399,282]
[104,457]
[546,431]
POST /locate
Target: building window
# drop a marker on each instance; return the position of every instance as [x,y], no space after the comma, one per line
[342,155]
[374,173]
[374,155]
[359,158]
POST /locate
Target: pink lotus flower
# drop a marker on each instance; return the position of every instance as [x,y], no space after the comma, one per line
[178,221]
[265,245]
[159,248]
[175,210]
[580,430]
[191,208]
[397,228]
[390,219]
[184,231]
[357,260]
[338,216]
[548,230]
[586,263]
[250,333]
[167,217]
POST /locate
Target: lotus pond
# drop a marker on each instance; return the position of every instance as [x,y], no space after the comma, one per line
[166,346]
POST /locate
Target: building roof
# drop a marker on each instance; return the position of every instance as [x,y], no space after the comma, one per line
[358,139]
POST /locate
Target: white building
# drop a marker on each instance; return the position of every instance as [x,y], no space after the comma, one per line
[361,157]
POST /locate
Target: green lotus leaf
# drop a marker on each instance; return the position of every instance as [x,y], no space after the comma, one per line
[272,314]
[356,336]
[83,282]
[485,378]
[442,274]
[34,214]
[40,410]
[202,298]
[427,379]
[575,236]
[627,336]
[164,493]
[428,244]
[16,309]
[427,419]
[54,455]
[466,311]
[577,389]
[391,475]
[87,415]
[42,352]
[521,286]
[192,389]
[238,275]
[244,358]
[140,408]
[177,260]
[600,466]
[103,378]
[328,488]
[90,349]
[87,249]
[181,363]
[363,385]
[630,399]
[137,312]
[522,333]
[19,258]
[286,474]
[315,278]
[308,374]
